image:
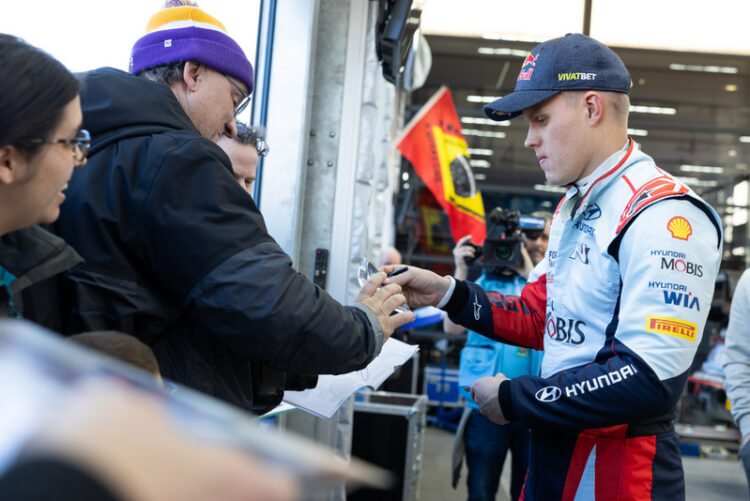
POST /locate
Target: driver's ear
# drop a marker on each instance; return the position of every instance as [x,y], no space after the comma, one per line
[594,103]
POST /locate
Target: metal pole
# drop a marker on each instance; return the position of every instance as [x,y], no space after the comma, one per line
[587,17]
[267,47]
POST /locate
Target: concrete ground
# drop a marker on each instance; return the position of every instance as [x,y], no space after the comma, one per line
[706,479]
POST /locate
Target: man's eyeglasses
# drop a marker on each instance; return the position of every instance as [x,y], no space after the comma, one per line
[245,98]
[253,135]
[79,144]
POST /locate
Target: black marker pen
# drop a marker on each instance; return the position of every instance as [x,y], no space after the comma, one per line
[397,272]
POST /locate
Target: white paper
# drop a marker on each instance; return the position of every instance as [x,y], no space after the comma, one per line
[332,391]
[279,409]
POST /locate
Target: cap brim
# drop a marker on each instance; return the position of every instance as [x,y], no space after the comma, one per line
[512,105]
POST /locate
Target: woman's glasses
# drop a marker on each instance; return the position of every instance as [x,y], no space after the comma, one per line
[79,144]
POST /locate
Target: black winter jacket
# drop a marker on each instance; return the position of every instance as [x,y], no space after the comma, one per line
[178,255]
[28,257]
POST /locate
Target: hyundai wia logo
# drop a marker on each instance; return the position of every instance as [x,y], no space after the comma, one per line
[548,394]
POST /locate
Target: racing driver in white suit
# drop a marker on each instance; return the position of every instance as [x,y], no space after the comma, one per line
[618,304]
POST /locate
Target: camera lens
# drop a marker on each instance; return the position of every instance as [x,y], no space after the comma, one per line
[504,251]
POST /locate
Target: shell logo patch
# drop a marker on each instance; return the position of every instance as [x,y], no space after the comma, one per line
[680,228]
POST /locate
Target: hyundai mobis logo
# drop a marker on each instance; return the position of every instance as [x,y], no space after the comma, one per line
[566,330]
[677,261]
[682,266]
[550,394]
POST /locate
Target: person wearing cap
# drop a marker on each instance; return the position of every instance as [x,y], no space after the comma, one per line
[621,298]
[244,151]
[175,251]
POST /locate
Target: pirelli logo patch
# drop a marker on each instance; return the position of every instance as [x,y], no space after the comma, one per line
[672,327]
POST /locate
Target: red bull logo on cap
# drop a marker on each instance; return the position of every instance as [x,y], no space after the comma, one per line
[530,60]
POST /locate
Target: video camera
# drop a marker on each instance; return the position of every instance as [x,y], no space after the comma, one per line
[502,247]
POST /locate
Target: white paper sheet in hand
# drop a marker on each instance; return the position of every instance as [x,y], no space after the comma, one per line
[332,391]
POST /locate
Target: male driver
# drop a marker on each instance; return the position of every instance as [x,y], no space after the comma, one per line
[243,151]
[622,298]
[176,253]
[484,443]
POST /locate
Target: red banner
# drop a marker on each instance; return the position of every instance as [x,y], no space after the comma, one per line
[434,145]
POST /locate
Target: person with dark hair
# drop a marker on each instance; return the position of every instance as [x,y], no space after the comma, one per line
[616,303]
[176,253]
[121,346]
[243,151]
[41,143]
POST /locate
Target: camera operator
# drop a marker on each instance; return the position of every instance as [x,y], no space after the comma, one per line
[485,443]
[535,242]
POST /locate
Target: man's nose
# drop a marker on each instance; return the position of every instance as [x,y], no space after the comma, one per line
[531,139]
[230,128]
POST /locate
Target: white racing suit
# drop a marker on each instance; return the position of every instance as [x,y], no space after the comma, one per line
[619,308]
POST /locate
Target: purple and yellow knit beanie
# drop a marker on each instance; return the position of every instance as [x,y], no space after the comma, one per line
[183,32]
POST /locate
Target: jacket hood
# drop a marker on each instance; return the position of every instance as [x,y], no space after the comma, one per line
[117,105]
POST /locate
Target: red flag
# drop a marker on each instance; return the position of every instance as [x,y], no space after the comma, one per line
[434,145]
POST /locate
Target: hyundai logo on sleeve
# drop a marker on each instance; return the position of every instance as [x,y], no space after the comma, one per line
[548,394]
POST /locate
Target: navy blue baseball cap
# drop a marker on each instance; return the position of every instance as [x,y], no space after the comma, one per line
[572,62]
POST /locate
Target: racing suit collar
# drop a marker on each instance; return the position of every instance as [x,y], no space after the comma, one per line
[585,184]
[585,189]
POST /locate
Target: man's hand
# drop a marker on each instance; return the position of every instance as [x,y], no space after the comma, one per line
[421,287]
[382,301]
[484,392]
[460,252]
